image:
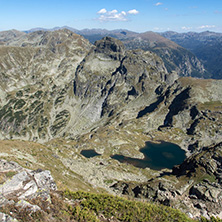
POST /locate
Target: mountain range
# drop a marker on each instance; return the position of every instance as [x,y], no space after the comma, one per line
[61,94]
[202,49]
[206,46]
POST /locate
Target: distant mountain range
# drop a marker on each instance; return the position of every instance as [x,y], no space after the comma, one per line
[189,54]
[198,54]
[206,46]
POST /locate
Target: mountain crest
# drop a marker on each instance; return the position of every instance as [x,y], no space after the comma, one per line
[110,46]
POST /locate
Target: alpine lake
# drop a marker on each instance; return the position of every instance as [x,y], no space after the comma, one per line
[157,156]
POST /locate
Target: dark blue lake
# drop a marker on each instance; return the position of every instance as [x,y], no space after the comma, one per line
[89,153]
[157,156]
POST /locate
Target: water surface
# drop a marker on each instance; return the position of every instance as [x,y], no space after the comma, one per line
[157,156]
[89,153]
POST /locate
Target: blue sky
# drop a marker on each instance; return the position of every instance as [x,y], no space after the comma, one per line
[135,15]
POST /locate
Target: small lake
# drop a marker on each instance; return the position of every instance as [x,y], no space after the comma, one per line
[157,156]
[89,153]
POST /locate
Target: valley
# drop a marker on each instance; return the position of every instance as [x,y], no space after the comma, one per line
[62,95]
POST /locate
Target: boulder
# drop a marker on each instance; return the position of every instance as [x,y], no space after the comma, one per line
[15,185]
[44,180]
[25,184]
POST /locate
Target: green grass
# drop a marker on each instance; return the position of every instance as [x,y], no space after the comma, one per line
[92,205]
[86,207]
[212,105]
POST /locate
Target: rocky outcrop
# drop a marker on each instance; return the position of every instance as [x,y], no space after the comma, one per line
[207,161]
[110,77]
[202,194]
[23,186]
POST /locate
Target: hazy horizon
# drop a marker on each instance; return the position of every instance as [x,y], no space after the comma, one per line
[138,16]
[109,30]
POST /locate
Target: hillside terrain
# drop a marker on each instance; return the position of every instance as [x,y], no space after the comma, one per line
[61,95]
[175,57]
[32,195]
[206,46]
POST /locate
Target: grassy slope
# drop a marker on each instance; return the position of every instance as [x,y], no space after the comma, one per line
[82,206]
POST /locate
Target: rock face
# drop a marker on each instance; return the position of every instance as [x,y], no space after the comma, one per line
[27,183]
[105,81]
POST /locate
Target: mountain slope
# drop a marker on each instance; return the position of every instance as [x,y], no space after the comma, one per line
[174,56]
[206,46]
[57,84]
[36,72]
[5,36]
[58,89]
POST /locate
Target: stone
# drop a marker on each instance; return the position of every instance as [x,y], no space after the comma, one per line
[27,185]
[42,194]
[30,188]
[44,180]
[6,166]
[15,184]
[4,201]
[204,191]
[200,206]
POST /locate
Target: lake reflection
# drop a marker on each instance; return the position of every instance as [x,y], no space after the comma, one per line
[157,156]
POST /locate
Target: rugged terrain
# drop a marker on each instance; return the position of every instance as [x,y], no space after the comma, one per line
[176,58]
[32,195]
[194,186]
[205,45]
[59,90]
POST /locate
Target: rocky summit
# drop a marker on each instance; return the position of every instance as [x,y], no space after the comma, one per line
[61,95]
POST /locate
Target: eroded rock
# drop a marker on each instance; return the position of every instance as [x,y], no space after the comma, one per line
[26,184]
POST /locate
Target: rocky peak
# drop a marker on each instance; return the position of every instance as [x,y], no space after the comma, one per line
[6,36]
[111,47]
[48,39]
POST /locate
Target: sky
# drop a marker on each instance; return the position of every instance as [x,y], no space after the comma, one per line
[134,15]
